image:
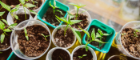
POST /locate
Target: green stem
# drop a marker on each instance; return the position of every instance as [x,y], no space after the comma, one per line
[77,13]
[1,8]
[25,13]
[65,29]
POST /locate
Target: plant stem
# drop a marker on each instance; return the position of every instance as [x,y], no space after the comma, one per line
[77,13]
[25,12]
[1,8]
[65,29]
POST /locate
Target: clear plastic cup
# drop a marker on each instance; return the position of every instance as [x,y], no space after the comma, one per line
[119,56]
[49,55]
[89,48]
[14,36]
[132,24]
[84,12]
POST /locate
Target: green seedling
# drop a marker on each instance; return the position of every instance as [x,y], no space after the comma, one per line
[26,35]
[5,30]
[82,56]
[77,7]
[27,5]
[70,22]
[8,8]
[45,36]
[33,12]
[34,2]
[136,30]
[54,7]
[60,58]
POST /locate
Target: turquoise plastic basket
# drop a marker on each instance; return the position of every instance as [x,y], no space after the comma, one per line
[44,8]
[105,28]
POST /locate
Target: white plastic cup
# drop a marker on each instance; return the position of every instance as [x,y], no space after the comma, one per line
[89,48]
[54,32]
[132,24]
[10,18]
[14,37]
[119,56]
[49,55]
[6,48]
[84,12]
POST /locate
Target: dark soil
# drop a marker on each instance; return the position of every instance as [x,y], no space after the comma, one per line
[64,41]
[50,16]
[130,42]
[60,55]
[80,52]
[116,58]
[17,58]
[83,24]
[33,15]
[5,54]
[21,18]
[5,14]
[11,2]
[38,4]
[36,45]
[94,43]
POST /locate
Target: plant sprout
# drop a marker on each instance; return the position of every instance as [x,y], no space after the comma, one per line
[60,58]
[27,5]
[71,22]
[5,30]
[34,1]
[45,36]
[26,35]
[82,56]
[77,7]
[136,30]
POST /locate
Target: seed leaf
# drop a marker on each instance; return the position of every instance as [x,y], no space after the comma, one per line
[2,37]
[22,1]
[101,33]
[5,6]
[7,30]
[12,25]
[93,34]
[77,34]
[29,5]
[26,35]
[16,17]
[1,13]
[4,21]
[2,25]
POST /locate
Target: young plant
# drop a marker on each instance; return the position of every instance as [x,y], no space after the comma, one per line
[45,36]
[82,56]
[136,30]
[26,35]
[34,1]
[5,30]
[77,7]
[27,5]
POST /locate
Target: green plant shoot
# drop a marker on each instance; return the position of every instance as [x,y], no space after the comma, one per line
[82,56]
[45,36]
[77,7]
[26,35]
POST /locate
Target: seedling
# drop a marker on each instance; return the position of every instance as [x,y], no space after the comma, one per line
[60,58]
[26,35]
[82,56]
[136,30]
[34,1]
[5,30]
[77,7]
[33,12]
[71,22]
[45,36]
[27,5]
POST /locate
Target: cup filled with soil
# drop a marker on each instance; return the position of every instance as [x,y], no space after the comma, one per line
[104,36]
[117,57]
[47,13]
[58,53]
[30,39]
[128,39]
[21,16]
[80,53]
[63,38]
[81,15]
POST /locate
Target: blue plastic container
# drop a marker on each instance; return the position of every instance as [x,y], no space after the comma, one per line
[44,8]
[105,28]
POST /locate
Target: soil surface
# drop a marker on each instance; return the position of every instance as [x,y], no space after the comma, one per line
[21,18]
[83,24]
[36,2]
[11,2]
[33,15]
[130,41]
[64,41]
[116,58]
[80,52]
[94,43]
[37,44]
[5,54]
[60,55]
[17,58]
[50,16]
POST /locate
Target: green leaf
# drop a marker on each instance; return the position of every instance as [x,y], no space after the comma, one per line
[7,30]
[79,57]
[16,17]
[84,54]
[14,10]
[86,48]
[2,26]
[98,35]
[26,35]
[4,21]
[17,6]
[60,12]
[97,40]
[29,5]
[93,34]
[22,1]
[5,6]
[33,12]
[26,0]
[51,5]
[12,25]
[105,34]
[77,34]
[2,37]
[62,19]
[74,21]
[54,3]
[100,31]
[76,5]
[85,32]
[1,13]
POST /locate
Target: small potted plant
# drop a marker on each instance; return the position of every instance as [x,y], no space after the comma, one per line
[102,38]
[128,39]
[30,39]
[58,53]
[80,53]
[80,14]
[49,10]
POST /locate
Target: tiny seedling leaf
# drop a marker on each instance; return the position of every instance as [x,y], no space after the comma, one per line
[74,21]
[33,12]
[86,48]
[14,10]
[84,54]
[29,5]
[105,34]
[16,17]
[4,21]
[1,13]
[17,6]
[101,33]
[98,35]
[26,35]
[77,34]
[12,25]
[2,37]
[2,25]
[93,34]
[5,6]
[7,30]
[22,1]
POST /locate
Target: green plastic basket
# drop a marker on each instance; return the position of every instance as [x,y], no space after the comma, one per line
[44,8]
[105,28]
